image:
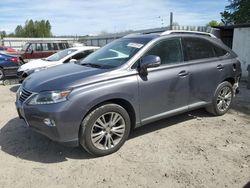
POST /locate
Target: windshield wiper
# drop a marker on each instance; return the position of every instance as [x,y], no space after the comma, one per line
[92,65]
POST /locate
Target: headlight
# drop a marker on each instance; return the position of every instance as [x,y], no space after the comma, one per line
[19,92]
[49,97]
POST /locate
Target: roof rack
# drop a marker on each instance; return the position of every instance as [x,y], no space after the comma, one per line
[187,32]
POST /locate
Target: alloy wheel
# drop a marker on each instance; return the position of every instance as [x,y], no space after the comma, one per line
[224,99]
[108,130]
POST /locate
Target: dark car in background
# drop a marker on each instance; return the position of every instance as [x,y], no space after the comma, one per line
[8,65]
[41,49]
[128,83]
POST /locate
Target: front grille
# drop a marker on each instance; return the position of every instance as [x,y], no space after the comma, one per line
[24,95]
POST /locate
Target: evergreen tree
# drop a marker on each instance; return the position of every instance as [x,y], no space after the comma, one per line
[34,29]
[238,12]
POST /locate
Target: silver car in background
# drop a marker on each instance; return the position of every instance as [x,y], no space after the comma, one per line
[64,56]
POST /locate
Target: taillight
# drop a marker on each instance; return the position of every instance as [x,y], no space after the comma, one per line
[14,60]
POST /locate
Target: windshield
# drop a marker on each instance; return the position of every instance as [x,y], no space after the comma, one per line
[115,53]
[59,55]
[24,48]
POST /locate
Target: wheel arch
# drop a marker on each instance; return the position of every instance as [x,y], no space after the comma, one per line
[119,101]
[3,72]
[231,80]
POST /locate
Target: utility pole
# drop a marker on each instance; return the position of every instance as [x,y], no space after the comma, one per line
[171,21]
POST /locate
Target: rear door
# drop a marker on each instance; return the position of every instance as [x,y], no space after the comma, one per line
[205,69]
[164,90]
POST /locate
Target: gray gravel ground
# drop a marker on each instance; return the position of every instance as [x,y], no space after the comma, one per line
[194,149]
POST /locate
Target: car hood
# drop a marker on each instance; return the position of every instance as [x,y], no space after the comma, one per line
[36,64]
[62,77]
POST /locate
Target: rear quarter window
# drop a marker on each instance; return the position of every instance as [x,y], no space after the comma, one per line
[61,46]
[45,46]
[197,48]
[219,51]
[66,45]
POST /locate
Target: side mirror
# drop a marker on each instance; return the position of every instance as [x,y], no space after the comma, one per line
[148,61]
[73,61]
[32,51]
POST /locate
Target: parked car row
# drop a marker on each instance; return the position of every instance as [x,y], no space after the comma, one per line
[130,82]
[11,65]
[61,57]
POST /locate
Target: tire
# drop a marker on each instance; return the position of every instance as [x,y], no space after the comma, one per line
[6,82]
[2,75]
[99,135]
[222,99]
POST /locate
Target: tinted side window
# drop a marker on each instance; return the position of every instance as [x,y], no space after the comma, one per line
[66,45]
[82,54]
[168,50]
[45,46]
[31,47]
[50,46]
[55,46]
[196,48]
[35,47]
[219,51]
[38,47]
[61,46]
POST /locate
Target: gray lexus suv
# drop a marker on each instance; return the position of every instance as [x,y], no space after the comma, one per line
[128,83]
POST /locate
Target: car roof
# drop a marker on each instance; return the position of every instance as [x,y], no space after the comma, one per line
[139,35]
[171,33]
[84,48]
[47,41]
[168,32]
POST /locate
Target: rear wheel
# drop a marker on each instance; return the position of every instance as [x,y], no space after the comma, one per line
[222,99]
[1,74]
[105,129]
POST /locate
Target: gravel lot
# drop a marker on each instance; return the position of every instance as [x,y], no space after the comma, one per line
[194,149]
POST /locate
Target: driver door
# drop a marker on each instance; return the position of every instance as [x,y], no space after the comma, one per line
[164,91]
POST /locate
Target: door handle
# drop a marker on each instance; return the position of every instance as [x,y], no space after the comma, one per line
[183,73]
[220,67]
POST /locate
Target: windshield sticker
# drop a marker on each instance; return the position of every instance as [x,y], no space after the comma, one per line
[135,45]
[69,52]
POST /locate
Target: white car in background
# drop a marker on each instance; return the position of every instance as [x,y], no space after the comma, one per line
[65,56]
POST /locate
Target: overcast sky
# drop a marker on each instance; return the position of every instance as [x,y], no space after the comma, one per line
[81,17]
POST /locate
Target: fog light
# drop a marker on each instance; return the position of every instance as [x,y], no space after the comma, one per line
[49,122]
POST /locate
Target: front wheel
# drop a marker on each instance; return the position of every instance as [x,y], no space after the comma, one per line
[1,74]
[105,129]
[222,99]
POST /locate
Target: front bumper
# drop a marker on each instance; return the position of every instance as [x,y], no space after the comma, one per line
[67,127]
[236,86]
[22,75]
[10,71]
